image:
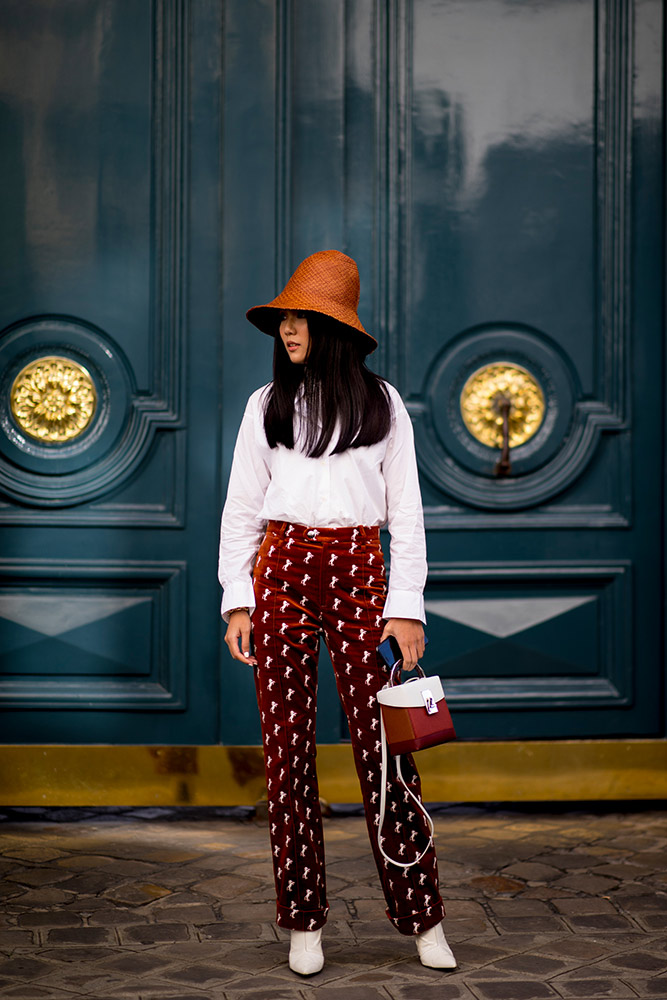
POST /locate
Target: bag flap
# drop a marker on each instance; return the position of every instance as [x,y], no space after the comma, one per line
[410,693]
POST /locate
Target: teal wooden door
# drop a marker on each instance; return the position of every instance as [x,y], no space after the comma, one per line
[495,168]
[109,456]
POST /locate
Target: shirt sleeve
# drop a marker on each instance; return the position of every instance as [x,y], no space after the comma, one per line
[405,520]
[242,526]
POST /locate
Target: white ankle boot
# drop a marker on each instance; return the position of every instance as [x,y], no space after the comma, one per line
[305,953]
[433,949]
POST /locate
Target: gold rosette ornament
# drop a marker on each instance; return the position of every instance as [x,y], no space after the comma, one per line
[493,388]
[53,399]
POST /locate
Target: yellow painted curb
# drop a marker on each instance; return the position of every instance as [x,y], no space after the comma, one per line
[537,770]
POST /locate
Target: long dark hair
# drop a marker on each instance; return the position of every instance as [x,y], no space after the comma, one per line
[338,389]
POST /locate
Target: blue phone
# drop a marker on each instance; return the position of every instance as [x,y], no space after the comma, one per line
[390,651]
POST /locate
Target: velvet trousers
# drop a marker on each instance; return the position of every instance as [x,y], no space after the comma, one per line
[330,582]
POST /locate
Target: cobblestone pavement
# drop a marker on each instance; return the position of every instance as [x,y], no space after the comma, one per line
[177,904]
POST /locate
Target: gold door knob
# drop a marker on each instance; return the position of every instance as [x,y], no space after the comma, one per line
[53,399]
[501,388]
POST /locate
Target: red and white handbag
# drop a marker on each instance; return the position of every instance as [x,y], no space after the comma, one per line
[413,715]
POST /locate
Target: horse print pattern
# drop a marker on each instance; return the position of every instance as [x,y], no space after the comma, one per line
[331,582]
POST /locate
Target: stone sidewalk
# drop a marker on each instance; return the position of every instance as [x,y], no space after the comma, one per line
[177,904]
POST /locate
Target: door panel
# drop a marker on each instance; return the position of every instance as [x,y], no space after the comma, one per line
[491,166]
[111,189]
[519,232]
[495,169]
[99,91]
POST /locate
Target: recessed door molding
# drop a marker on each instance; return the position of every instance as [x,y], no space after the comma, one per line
[50,479]
[603,412]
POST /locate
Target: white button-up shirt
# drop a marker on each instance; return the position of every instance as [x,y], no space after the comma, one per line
[371,485]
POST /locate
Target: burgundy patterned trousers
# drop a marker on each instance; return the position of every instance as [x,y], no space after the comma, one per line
[330,581]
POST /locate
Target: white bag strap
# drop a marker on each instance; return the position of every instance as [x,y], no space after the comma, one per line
[383,802]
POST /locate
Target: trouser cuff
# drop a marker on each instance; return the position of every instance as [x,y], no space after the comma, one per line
[417,923]
[302,920]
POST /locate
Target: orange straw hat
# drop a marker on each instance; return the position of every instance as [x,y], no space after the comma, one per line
[327,283]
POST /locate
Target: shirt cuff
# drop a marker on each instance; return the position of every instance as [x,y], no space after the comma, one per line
[404,604]
[237,595]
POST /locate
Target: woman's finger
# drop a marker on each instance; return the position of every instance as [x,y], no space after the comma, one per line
[245,646]
[406,650]
[410,661]
[232,640]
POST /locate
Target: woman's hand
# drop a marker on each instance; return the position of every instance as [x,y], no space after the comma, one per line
[409,634]
[239,627]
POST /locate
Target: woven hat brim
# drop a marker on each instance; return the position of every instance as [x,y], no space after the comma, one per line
[266,319]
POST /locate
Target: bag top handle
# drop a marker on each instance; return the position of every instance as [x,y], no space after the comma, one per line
[396,673]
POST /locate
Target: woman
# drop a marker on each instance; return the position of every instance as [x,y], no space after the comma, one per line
[324,456]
